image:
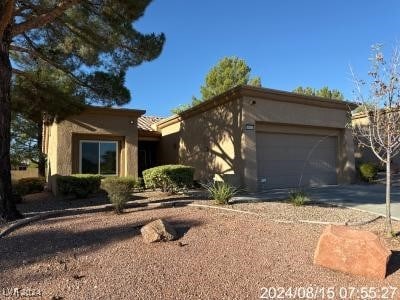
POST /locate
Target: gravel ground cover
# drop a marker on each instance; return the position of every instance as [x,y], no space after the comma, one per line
[313,211]
[220,255]
[46,201]
[271,209]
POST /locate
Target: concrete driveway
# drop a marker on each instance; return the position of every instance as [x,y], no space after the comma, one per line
[369,198]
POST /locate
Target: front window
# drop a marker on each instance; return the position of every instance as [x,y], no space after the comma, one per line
[98,157]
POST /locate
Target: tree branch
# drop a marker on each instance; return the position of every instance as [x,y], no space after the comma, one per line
[45,18]
[20,49]
[35,52]
[18,72]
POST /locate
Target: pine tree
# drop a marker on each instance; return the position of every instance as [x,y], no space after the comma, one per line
[86,46]
[226,74]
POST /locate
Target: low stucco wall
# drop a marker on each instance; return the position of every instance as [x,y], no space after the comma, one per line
[19,174]
[96,124]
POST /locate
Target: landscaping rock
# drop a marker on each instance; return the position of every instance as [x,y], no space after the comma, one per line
[158,230]
[352,251]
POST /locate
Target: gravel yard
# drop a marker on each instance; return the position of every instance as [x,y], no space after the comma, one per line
[314,211]
[45,201]
[221,255]
[276,210]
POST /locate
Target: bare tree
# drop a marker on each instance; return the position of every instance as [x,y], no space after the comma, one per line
[378,128]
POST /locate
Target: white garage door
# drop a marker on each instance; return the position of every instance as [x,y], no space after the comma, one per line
[282,159]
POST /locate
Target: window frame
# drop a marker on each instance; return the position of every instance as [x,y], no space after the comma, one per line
[98,149]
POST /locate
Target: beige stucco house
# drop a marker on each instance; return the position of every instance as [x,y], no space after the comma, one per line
[255,138]
[364,154]
[98,141]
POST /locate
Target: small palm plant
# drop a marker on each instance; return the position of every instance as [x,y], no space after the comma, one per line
[221,192]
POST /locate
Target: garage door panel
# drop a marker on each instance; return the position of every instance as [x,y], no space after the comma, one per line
[289,152]
[283,158]
[292,181]
[276,181]
[296,166]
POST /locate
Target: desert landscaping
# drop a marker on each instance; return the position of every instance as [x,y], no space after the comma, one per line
[218,254]
[199,149]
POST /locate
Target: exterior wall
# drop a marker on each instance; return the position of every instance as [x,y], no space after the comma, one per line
[219,145]
[52,154]
[365,154]
[280,116]
[97,124]
[210,142]
[169,144]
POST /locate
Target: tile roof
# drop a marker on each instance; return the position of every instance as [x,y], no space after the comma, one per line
[145,122]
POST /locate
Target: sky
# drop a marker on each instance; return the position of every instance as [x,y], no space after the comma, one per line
[287,43]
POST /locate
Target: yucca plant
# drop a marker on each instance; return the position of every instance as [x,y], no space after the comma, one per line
[221,192]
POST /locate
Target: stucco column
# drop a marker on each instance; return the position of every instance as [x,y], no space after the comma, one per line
[349,167]
[131,155]
[64,151]
[249,154]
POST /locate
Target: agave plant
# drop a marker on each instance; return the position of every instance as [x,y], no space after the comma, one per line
[221,192]
[298,198]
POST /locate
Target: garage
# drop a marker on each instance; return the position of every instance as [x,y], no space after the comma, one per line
[259,139]
[285,158]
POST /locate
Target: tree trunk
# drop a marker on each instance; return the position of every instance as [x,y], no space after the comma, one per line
[42,158]
[389,228]
[8,210]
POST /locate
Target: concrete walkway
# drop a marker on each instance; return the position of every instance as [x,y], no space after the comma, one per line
[369,198]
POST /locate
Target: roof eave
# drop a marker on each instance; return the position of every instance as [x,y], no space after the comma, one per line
[259,92]
[113,110]
[251,91]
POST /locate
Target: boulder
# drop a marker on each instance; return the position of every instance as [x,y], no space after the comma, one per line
[158,230]
[352,251]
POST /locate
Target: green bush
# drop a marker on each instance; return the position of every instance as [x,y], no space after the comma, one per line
[169,178]
[119,190]
[29,185]
[138,183]
[368,171]
[221,192]
[80,185]
[298,198]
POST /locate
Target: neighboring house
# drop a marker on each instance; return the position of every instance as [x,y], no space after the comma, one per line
[255,138]
[365,154]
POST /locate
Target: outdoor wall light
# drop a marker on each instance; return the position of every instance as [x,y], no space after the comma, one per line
[249,127]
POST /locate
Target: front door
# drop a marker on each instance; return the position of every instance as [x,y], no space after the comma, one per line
[147,155]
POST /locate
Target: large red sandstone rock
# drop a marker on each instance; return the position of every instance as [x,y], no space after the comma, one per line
[352,251]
